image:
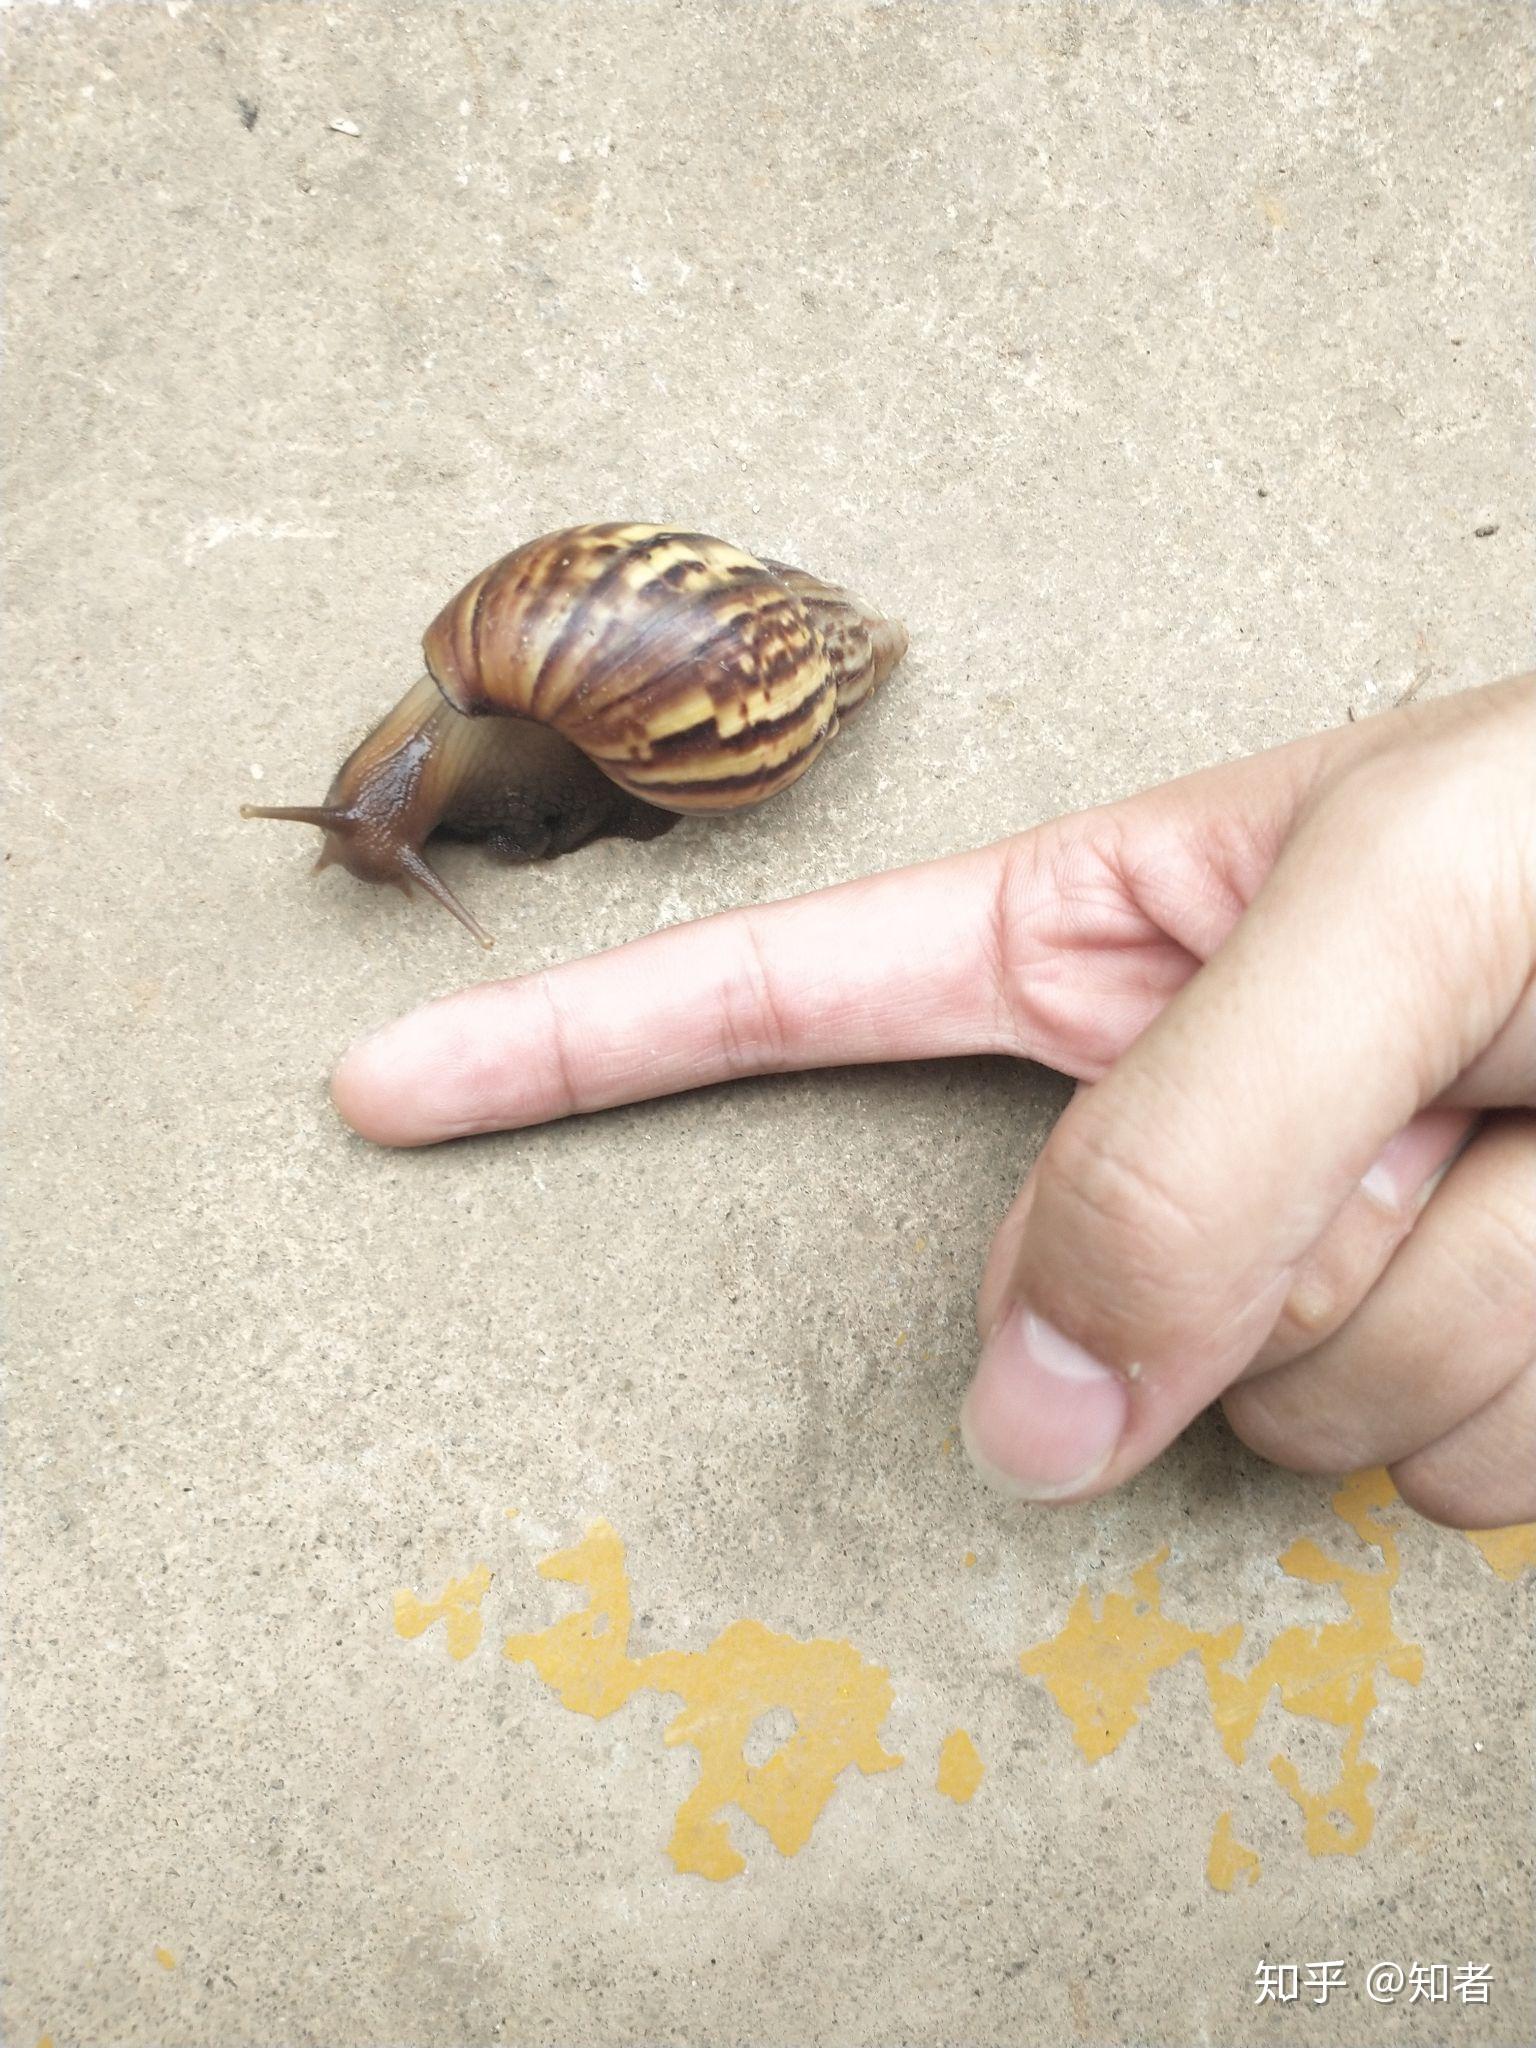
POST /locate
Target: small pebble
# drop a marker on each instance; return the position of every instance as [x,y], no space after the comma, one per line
[344,127]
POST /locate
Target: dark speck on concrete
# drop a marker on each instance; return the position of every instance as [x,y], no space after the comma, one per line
[248,112]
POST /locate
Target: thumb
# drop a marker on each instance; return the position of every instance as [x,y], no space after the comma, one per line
[1154,1242]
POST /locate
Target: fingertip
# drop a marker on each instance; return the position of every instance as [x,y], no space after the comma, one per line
[365,1092]
[405,1083]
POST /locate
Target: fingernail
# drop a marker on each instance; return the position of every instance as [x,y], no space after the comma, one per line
[1041,1418]
[1409,1166]
[1385,1181]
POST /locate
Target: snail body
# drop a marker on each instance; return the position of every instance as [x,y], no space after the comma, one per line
[601,681]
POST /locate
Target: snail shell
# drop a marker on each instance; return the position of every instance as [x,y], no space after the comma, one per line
[601,680]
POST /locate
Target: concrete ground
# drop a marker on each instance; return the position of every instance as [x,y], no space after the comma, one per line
[1168,370]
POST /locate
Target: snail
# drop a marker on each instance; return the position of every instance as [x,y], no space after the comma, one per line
[597,682]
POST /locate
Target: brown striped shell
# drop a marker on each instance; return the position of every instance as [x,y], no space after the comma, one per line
[601,681]
[694,675]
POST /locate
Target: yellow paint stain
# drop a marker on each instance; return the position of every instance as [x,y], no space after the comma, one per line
[921,1246]
[838,1703]
[961,1769]
[45,2041]
[512,1513]
[584,1657]
[1329,1673]
[1100,1667]
[948,1445]
[970,1560]
[1509,1551]
[901,1338]
[837,1700]
[165,1959]
[1229,1861]
[457,1607]
[1272,210]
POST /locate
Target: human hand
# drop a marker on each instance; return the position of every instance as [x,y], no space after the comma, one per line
[1301,1176]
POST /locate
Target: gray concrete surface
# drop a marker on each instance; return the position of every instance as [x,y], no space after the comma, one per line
[1159,366]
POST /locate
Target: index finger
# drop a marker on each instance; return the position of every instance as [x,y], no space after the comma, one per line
[1060,945]
[898,966]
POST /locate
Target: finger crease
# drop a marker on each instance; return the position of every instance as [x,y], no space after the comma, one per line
[752,1024]
[559,1047]
[997,947]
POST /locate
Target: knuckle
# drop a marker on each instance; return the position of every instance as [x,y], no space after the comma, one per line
[1058,895]
[1447,825]
[1415,809]
[1497,1250]
[753,1030]
[1511,1212]
[1437,1495]
[1482,1474]
[1391,809]
[558,1039]
[1273,1428]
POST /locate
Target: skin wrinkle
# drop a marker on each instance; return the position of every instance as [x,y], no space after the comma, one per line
[1286,1435]
[559,1044]
[1111,1193]
[1036,961]
[1088,901]
[1220,853]
[759,1005]
[1003,975]
[1193,913]
[1156,1238]
[1499,1261]
[1194,904]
